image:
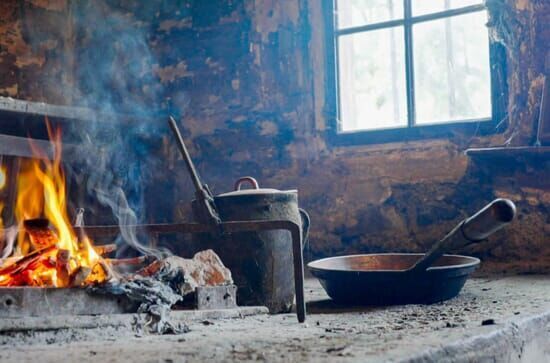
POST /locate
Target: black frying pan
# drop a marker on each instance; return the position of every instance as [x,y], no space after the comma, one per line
[405,278]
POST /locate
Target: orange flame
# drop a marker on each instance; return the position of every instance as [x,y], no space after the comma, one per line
[3,177]
[54,256]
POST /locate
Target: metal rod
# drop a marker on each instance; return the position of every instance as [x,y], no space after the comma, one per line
[231,227]
[185,154]
[476,228]
[205,201]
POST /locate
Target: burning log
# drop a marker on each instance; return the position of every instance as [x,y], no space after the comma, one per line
[25,261]
[105,249]
[79,276]
[100,272]
[63,267]
[128,261]
[9,260]
[41,235]
[62,255]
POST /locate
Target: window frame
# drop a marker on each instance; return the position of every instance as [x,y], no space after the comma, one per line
[412,131]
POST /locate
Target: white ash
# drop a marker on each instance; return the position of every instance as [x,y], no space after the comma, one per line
[164,283]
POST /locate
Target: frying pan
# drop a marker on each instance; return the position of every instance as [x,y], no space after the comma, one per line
[412,278]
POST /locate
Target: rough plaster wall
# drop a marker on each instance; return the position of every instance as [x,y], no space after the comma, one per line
[263,116]
[36,50]
[245,77]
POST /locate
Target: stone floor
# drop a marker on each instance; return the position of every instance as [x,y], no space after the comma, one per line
[494,319]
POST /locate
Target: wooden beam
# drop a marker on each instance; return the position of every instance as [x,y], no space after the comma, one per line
[19,146]
[44,109]
[32,108]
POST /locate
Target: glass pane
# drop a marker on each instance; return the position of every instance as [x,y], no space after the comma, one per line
[372,80]
[451,65]
[421,7]
[361,12]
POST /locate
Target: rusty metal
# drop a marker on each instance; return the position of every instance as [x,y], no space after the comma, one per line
[206,212]
[215,297]
[259,261]
[203,195]
[476,228]
[412,278]
[228,227]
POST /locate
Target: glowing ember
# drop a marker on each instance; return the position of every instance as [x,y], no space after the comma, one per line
[49,252]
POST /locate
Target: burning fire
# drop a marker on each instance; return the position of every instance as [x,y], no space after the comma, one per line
[2,177]
[49,252]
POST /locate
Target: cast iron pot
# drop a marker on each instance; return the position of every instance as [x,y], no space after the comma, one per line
[260,262]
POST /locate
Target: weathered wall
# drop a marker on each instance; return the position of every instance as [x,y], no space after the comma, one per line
[246,79]
[36,50]
[253,86]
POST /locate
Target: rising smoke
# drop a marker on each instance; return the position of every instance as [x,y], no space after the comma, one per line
[116,153]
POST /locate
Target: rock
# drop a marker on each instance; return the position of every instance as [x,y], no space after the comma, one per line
[204,269]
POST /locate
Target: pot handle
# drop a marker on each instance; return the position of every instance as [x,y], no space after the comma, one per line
[306,221]
[249,179]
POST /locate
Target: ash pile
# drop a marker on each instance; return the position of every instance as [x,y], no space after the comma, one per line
[173,283]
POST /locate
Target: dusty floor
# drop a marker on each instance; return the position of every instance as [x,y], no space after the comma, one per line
[330,334]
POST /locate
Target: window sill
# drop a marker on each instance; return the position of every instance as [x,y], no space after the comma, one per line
[497,154]
[405,134]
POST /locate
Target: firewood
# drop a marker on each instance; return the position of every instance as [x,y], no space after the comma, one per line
[79,275]
[9,260]
[103,250]
[25,274]
[41,235]
[128,261]
[24,261]
[100,273]
[63,268]
[151,269]
[29,278]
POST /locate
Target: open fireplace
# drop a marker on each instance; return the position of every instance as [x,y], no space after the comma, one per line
[53,263]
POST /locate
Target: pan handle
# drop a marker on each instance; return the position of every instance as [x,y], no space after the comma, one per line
[476,228]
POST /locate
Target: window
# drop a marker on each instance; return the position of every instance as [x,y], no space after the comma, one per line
[407,68]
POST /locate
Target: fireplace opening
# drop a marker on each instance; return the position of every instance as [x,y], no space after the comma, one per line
[53,263]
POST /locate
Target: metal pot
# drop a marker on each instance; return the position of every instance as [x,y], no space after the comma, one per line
[260,262]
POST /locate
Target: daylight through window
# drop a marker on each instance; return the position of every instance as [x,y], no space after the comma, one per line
[407,63]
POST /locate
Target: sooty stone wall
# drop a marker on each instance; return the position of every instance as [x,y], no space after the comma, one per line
[246,80]
[252,76]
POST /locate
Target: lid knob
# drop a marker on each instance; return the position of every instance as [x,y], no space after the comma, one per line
[248,179]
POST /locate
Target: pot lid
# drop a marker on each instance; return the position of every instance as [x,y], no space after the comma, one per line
[256,190]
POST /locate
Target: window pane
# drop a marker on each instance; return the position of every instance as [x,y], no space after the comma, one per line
[361,12]
[421,7]
[372,80]
[451,64]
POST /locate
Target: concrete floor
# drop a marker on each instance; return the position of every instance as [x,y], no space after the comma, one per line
[451,331]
